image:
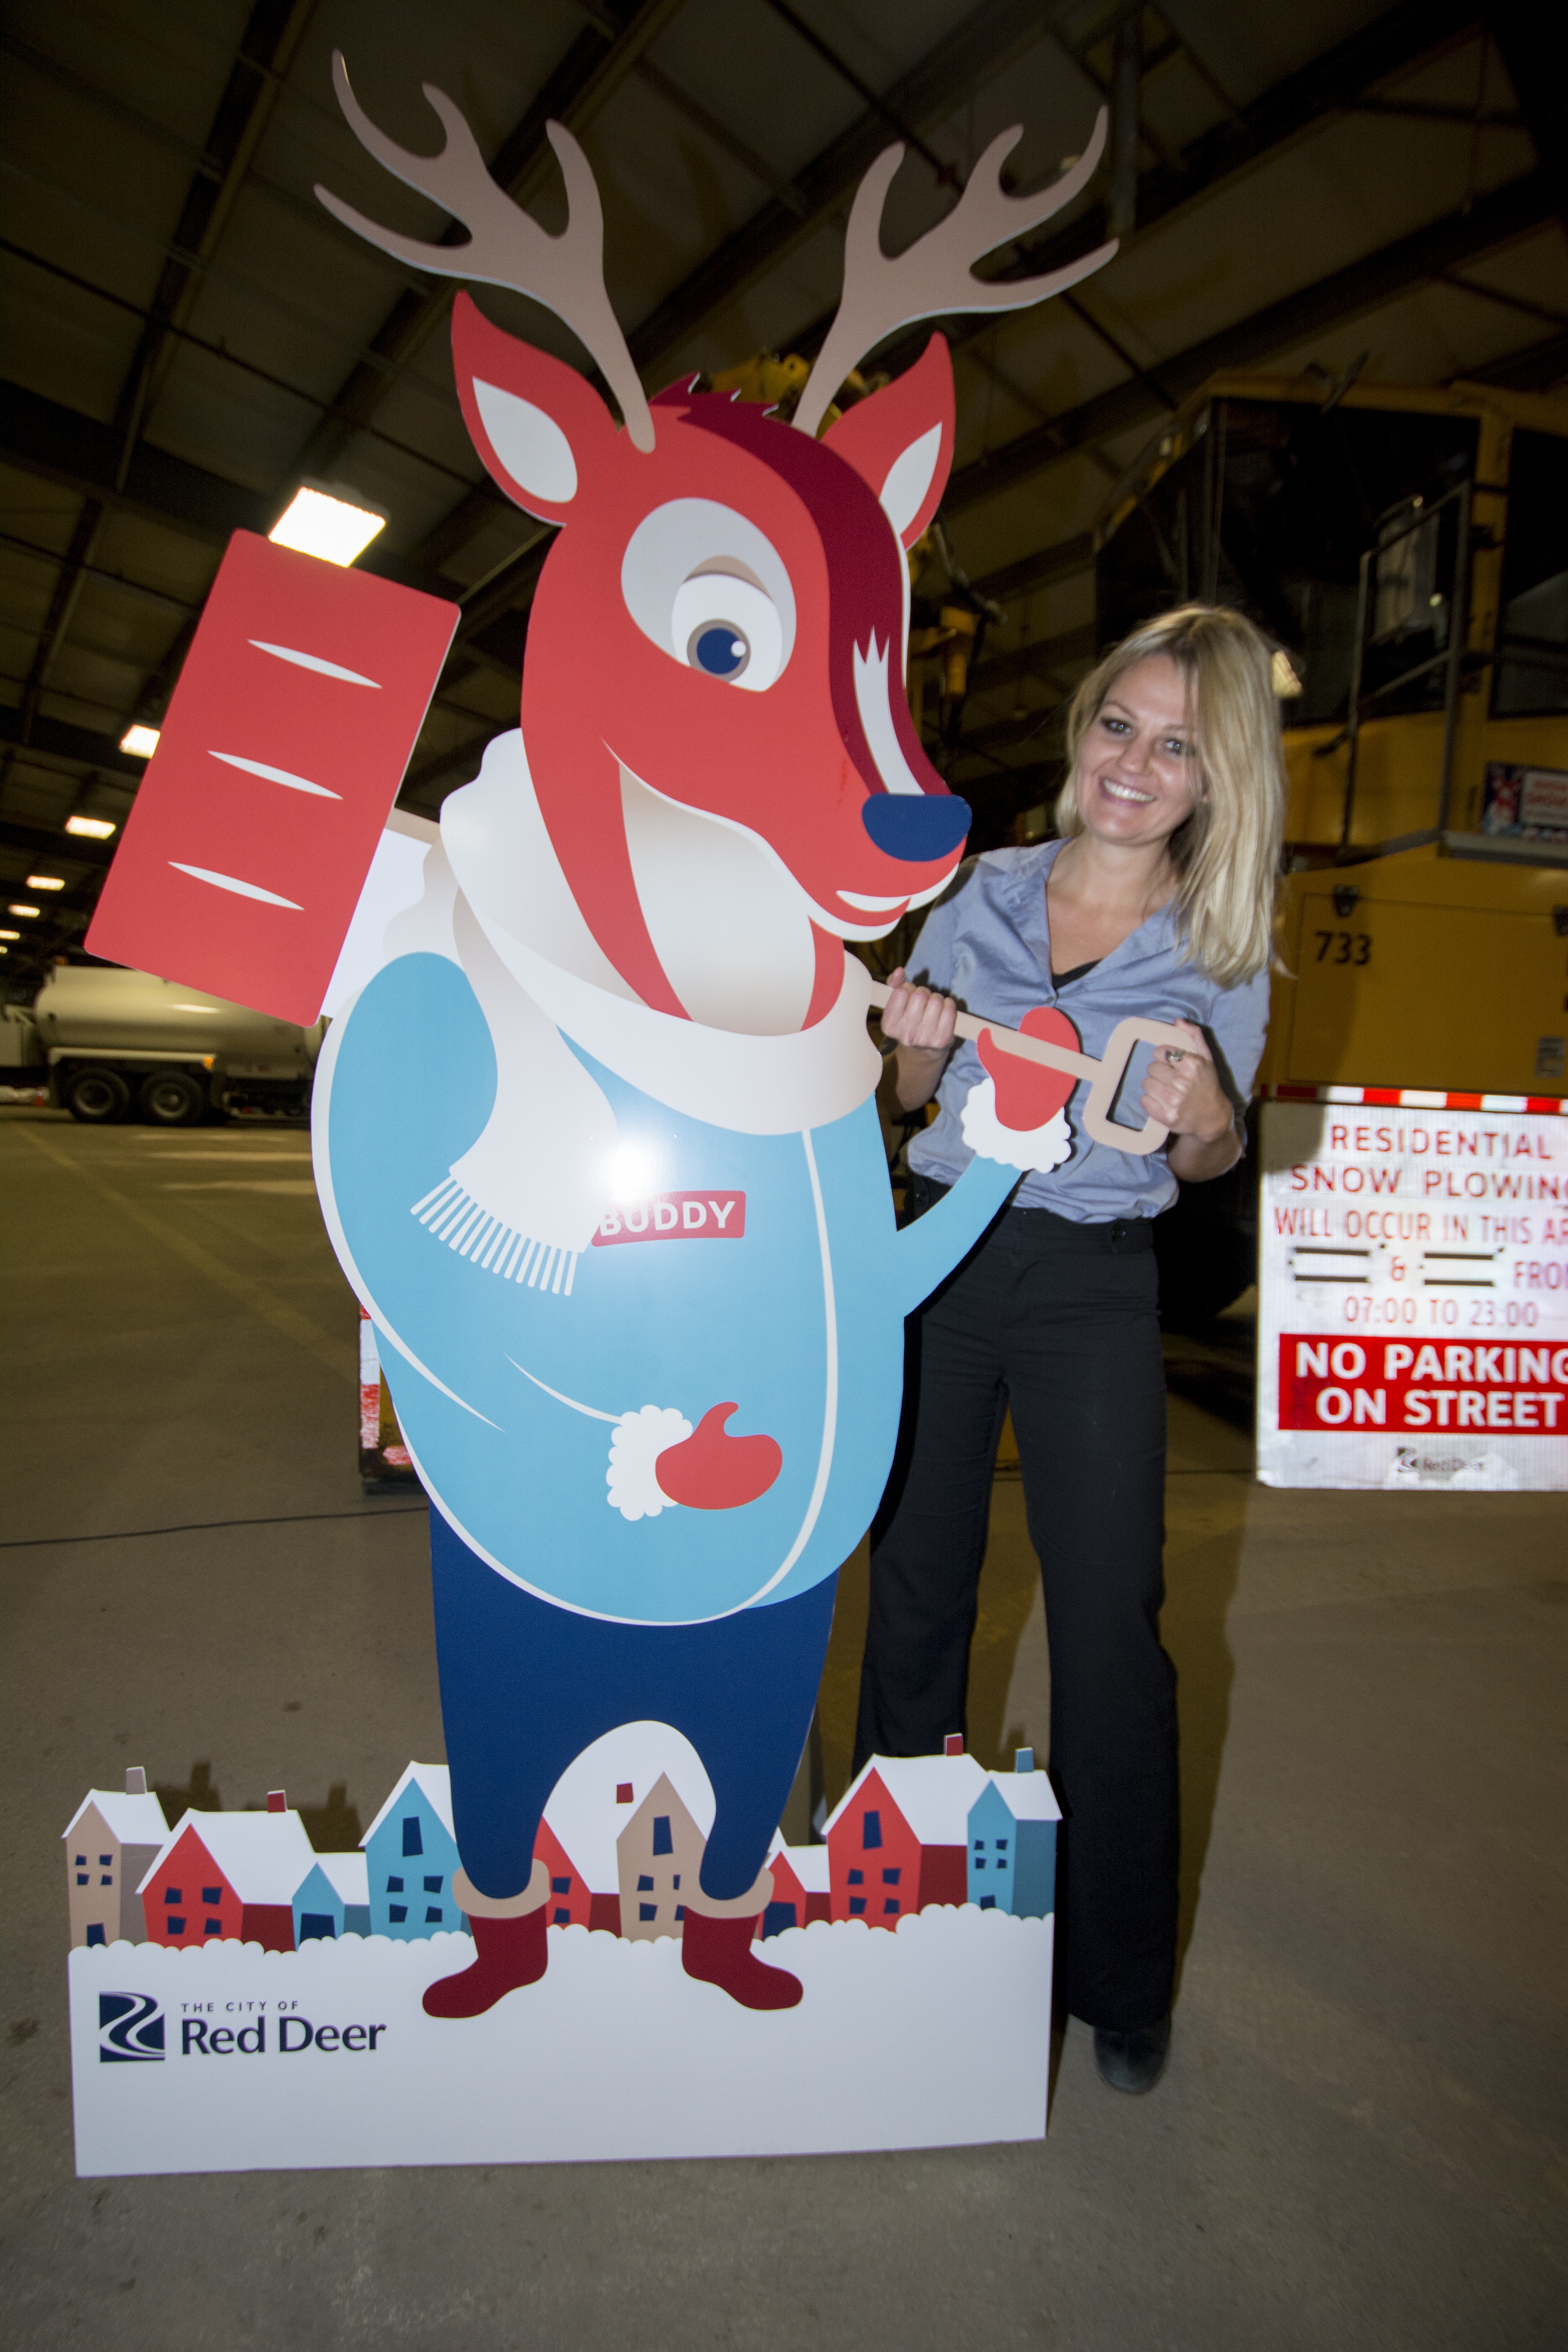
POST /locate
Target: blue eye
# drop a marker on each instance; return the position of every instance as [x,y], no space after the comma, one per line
[719,649]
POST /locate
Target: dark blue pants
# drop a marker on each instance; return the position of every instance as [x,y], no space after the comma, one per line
[526,1686]
[1058,1320]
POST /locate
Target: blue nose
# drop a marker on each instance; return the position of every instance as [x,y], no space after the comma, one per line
[915,826]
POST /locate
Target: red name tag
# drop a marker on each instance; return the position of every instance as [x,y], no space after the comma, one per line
[285,742]
[675,1217]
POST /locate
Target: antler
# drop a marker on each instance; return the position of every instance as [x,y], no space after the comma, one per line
[505,248]
[933,276]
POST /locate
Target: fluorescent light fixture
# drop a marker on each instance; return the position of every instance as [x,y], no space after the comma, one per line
[92,828]
[1286,685]
[139,741]
[46,882]
[14,910]
[330,528]
[10,935]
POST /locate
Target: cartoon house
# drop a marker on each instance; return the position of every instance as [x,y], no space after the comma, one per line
[221,1877]
[111,1844]
[1012,1841]
[584,1837]
[333,1899]
[660,1847]
[572,1899]
[898,1840]
[801,1892]
[410,1853]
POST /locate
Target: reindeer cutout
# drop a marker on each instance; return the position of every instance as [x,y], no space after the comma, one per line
[643,1197]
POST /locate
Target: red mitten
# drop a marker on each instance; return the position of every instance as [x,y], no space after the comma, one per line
[1027,1093]
[711,1471]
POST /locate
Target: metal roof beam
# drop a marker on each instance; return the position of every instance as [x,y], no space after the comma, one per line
[983,44]
[36,841]
[1532,42]
[80,454]
[1037,659]
[271,34]
[1508,213]
[60,740]
[1329,85]
[1540,367]
[266,49]
[586,77]
[1041,569]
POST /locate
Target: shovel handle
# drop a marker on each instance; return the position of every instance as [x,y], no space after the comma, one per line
[1104,1076]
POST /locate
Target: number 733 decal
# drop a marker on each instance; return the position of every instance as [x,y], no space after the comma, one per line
[1348,947]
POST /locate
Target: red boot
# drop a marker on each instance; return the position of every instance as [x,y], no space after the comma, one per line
[718,1952]
[511,1952]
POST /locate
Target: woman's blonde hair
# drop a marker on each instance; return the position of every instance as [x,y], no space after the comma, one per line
[1227,853]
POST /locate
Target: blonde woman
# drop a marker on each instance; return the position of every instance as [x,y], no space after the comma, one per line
[1156,899]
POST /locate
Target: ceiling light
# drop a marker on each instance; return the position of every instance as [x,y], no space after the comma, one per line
[46,882]
[23,910]
[328,526]
[1286,685]
[92,828]
[139,741]
[10,935]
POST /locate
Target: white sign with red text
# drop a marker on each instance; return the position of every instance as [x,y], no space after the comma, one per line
[1413,1297]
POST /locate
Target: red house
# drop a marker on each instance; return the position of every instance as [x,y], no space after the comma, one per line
[899,1840]
[800,1888]
[572,1899]
[223,1877]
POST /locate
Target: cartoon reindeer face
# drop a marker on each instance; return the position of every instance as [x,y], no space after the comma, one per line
[720,629]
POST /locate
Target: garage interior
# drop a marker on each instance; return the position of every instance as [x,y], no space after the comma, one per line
[1361,2140]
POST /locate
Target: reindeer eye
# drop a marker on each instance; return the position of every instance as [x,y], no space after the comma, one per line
[723,651]
[712,592]
[727,628]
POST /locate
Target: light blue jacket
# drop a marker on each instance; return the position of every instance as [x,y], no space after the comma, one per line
[800,1323]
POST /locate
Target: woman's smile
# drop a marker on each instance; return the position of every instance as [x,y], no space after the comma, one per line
[1138,760]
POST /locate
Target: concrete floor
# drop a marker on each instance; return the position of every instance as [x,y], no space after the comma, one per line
[1360,2142]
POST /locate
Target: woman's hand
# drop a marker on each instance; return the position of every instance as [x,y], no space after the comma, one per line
[918,1016]
[920,1022]
[1182,1091]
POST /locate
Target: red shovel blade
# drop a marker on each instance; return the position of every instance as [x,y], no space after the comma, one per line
[286,737]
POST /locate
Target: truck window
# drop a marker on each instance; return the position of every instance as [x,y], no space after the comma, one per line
[1531,674]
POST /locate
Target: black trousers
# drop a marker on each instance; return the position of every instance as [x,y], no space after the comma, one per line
[1059,1320]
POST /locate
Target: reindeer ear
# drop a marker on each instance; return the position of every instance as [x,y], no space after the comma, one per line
[538,426]
[900,440]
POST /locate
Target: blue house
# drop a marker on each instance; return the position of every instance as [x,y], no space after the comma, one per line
[1012,1841]
[410,1853]
[333,1899]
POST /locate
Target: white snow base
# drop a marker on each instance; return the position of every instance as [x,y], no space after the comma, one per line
[935,2035]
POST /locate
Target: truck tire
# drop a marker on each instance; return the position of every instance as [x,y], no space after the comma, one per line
[172,1099]
[98,1098]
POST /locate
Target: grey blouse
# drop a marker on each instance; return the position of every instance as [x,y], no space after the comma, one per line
[988,944]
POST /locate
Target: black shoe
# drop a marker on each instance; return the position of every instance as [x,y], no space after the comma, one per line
[1132,2062]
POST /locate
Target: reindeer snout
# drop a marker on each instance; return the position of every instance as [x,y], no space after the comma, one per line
[915,826]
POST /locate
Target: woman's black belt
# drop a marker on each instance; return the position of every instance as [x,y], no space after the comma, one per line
[1114,1237]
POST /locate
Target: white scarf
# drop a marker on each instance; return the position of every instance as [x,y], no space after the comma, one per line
[526,1198]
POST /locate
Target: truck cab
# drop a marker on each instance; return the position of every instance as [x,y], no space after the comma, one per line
[1402,550]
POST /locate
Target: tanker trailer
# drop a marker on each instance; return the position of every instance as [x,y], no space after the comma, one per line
[120,1042]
